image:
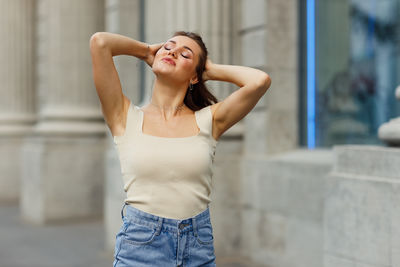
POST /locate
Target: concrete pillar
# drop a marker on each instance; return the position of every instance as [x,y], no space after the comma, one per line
[269,38]
[17,109]
[269,34]
[252,33]
[63,158]
[123,17]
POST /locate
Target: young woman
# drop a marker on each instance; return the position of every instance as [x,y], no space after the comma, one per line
[166,147]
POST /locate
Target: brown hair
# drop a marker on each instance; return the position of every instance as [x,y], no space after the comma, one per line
[199,97]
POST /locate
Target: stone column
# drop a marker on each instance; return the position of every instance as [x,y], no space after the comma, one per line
[268,33]
[389,132]
[123,17]
[17,109]
[63,159]
[269,40]
[253,38]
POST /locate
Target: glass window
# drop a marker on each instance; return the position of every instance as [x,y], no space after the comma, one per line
[356,66]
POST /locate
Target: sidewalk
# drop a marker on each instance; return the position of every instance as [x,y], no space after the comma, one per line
[73,244]
[64,245]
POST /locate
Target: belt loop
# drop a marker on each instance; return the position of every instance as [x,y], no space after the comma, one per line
[159,225]
[194,224]
[122,211]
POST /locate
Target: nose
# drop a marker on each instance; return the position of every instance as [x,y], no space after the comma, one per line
[172,52]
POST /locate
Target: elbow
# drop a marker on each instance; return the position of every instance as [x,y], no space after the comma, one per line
[265,82]
[97,40]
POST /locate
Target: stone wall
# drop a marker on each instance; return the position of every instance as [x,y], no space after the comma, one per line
[282,208]
[362,208]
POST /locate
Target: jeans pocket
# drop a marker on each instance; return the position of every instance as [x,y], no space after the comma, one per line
[139,234]
[205,234]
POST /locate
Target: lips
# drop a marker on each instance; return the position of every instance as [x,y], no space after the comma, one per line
[168,60]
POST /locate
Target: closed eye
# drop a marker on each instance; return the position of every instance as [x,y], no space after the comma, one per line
[181,54]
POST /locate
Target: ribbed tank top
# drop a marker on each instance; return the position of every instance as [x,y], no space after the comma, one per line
[167,176]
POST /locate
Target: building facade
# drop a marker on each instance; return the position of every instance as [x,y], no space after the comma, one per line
[302,180]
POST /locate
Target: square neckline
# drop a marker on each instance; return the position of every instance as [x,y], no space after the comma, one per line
[163,137]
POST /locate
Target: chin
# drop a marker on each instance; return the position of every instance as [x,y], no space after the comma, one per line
[160,69]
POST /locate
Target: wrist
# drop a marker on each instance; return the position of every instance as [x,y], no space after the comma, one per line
[212,72]
[147,53]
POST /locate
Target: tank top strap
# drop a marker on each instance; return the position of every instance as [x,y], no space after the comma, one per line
[132,125]
[204,120]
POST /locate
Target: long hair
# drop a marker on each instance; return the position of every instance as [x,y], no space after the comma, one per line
[200,96]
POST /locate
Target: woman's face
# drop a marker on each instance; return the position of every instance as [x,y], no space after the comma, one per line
[178,58]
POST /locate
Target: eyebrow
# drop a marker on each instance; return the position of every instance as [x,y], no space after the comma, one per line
[172,41]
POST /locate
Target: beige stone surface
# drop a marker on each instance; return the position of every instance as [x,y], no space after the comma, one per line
[17,90]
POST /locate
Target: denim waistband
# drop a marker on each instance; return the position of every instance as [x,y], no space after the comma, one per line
[174,225]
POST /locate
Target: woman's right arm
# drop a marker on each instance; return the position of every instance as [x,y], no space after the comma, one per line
[114,104]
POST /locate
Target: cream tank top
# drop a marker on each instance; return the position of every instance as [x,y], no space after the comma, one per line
[167,176]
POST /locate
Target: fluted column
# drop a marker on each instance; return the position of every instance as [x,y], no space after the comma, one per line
[17,109]
[123,17]
[63,176]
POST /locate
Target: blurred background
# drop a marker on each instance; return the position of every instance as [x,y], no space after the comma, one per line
[309,178]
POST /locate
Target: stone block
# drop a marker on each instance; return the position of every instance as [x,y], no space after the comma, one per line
[290,183]
[395,229]
[357,218]
[253,48]
[250,184]
[283,197]
[294,182]
[282,30]
[368,160]
[361,208]
[226,191]
[62,178]
[283,94]
[282,132]
[10,168]
[304,243]
[255,139]
[253,14]
[226,182]
[114,198]
[249,234]
[333,261]
[272,231]
[226,222]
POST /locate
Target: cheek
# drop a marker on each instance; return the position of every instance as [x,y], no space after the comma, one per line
[188,65]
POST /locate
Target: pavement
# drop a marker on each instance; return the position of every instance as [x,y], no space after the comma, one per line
[71,244]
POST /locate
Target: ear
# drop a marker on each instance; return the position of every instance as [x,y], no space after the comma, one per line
[194,80]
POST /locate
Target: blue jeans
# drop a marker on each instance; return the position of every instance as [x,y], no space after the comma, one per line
[146,240]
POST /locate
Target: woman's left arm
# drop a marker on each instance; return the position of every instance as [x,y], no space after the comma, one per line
[253,85]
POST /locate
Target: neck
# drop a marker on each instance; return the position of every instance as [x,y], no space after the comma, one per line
[168,97]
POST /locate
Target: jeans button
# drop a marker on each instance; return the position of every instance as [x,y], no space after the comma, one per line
[182,225]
